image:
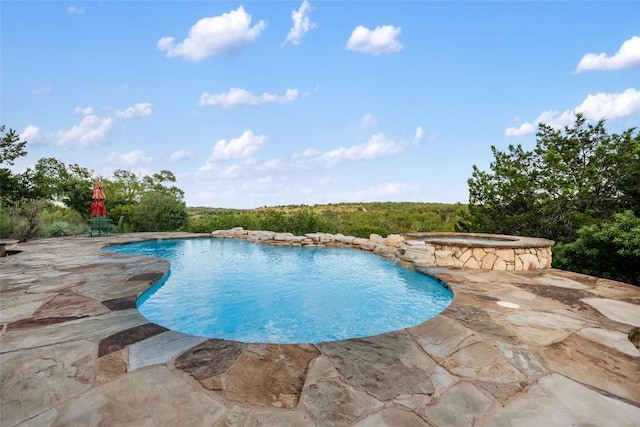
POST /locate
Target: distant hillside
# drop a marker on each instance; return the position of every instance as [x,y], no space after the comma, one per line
[355,219]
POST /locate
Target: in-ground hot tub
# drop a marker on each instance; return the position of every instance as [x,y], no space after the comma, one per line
[481,251]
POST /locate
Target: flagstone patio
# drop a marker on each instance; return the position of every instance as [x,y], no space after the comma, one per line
[530,348]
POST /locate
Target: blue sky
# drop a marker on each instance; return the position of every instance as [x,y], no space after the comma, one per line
[275,102]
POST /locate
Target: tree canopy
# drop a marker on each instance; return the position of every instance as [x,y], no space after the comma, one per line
[574,177]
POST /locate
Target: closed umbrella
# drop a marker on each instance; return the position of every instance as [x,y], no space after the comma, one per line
[97,206]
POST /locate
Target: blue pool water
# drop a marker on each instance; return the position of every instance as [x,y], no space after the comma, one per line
[235,290]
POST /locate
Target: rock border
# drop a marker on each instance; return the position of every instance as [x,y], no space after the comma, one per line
[413,251]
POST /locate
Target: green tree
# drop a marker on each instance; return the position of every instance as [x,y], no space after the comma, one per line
[124,191]
[77,189]
[575,177]
[161,211]
[124,188]
[11,186]
[18,219]
[158,182]
[11,147]
[54,181]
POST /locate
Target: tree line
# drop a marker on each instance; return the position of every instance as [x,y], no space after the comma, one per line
[351,219]
[53,198]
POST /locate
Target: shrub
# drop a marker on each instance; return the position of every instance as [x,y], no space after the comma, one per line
[609,249]
[58,229]
[23,220]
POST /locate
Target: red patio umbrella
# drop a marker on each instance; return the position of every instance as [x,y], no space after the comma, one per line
[97,206]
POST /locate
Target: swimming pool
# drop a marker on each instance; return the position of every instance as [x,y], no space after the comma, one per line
[235,290]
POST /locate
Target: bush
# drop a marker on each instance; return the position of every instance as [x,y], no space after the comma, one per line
[5,222]
[22,220]
[609,249]
[58,229]
[305,221]
[161,211]
[364,231]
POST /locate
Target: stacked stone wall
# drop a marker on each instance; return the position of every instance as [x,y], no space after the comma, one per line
[408,252]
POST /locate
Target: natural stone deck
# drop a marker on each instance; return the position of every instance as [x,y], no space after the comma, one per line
[75,351]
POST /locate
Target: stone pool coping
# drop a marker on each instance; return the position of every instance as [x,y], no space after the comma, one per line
[466,239]
[75,351]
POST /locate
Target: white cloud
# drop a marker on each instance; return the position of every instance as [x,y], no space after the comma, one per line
[42,90]
[134,157]
[180,155]
[213,36]
[611,105]
[259,185]
[377,146]
[308,153]
[419,135]
[271,165]
[237,148]
[376,42]
[290,95]
[208,166]
[301,23]
[74,10]
[241,97]
[595,107]
[524,129]
[555,118]
[141,109]
[230,172]
[628,56]
[552,118]
[92,130]
[87,111]
[368,121]
[32,134]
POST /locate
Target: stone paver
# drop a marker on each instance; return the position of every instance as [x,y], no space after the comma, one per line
[384,366]
[393,417]
[85,328]
[596,365]
[210,361]
[153,397]
[461,405]
[333,403]
[75,351]
[561,282]
[160,348]
[35,380]
[20,311]
[556,401]
[613,339]
[269,374]
[620,311]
